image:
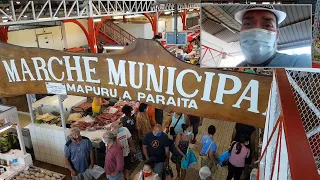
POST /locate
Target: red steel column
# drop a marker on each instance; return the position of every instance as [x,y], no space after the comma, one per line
[4,34]
[92,36]
[183,16]
[302,164]
[153,19]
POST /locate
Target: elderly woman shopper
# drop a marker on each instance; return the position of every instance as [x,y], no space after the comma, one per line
[78,155]
[114,161]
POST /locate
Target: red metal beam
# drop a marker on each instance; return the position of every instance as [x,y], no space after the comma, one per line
[80,25]
[152,17]
[4,34]
[302,164]
[270,138]
[100,23]
[279,163]
[275,154]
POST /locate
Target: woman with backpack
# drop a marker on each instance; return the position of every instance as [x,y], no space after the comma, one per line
[239,153]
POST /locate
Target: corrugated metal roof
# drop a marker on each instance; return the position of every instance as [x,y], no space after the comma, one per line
[295,30]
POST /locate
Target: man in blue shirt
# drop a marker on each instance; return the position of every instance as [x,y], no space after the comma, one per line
[78,155]
[209,149]
[258,39]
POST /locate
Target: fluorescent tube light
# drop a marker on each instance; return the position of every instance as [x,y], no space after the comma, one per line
[113,47]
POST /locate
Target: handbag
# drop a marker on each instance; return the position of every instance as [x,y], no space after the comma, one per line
[190,159]
[224,157]
[172,132]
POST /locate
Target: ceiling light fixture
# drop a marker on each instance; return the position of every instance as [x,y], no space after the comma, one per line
[113,47]
[167,12]
[97,20]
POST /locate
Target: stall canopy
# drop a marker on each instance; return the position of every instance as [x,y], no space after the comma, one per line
[295,30]
[144,71]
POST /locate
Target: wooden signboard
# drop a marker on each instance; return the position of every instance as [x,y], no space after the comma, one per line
[143,71]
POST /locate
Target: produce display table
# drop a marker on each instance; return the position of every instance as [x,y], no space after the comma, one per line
[31,172]
[51,103]
[24,160]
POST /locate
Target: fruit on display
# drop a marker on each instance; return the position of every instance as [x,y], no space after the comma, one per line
[35,173]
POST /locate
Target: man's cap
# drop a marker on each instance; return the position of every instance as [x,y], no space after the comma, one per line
[204,172]
[279,14]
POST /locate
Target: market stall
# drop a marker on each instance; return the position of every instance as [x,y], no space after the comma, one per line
[49,132]
[12,160]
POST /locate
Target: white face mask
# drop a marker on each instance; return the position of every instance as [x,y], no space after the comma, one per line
[257,45]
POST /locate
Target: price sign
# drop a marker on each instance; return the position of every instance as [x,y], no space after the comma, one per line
[56,88]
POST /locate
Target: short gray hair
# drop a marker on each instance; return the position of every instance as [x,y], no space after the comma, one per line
[74,130]
[110,135]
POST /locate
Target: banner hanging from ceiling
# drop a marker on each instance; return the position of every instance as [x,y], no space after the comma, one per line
[143,71]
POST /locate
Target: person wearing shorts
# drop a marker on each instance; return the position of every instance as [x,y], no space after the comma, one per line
[208,150]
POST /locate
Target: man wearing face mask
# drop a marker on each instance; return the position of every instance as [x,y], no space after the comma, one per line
[78,155]
[258,39]
[156,145]
[125,139]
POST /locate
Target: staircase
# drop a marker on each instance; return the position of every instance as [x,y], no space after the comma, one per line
[116,34]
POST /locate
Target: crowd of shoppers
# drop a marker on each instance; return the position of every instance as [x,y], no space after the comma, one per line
[146,132]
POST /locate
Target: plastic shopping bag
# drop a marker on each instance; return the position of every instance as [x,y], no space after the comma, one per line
[96,171]
[223,158]
[189,161]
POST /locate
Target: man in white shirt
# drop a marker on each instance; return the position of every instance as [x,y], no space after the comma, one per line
[125,139]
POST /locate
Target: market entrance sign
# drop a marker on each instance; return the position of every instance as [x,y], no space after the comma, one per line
[144,72]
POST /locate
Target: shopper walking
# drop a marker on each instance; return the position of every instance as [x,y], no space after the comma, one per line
[159,115]
[176,123]
[209,149]
[129,121]
[147,172]
[125,139]
[205,173]
[236,162]
[249,133]
[114,161]
[181,144]
[78,155]
[143,121]
[195,121]
[156,145]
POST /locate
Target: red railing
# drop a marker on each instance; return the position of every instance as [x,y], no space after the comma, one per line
[116,33]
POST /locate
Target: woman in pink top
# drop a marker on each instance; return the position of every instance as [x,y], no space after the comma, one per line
[236,163]
[114,161]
